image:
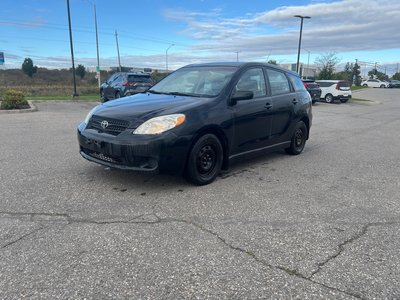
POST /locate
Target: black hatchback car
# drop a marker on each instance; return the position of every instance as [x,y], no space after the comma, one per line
[313,89]
[124,84]
[199,119]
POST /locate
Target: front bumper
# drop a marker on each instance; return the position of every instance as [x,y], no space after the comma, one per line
[145,153]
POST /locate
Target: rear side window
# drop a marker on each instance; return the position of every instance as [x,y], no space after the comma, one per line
[325,84]
[139,78]
[297,82]
[253,80]
[278,82]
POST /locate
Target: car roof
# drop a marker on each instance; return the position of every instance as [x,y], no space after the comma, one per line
[240,65]
[333,80]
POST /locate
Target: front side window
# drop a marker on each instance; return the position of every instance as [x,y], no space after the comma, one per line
[252,80]
[278,82]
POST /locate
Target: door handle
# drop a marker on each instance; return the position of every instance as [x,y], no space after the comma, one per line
[295,101]
[268,105]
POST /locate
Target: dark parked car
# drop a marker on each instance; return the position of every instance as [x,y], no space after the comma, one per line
[313,88]
[199,119]
[124,84]
[394,83]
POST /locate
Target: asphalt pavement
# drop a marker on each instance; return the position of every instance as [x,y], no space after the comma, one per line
[321,225]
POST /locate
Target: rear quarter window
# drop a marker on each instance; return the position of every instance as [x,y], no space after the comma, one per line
[297,82]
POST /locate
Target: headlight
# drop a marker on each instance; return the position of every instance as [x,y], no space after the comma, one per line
[160,124]
[89,115]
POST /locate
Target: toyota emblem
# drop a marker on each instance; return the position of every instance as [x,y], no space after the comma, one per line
[104,124]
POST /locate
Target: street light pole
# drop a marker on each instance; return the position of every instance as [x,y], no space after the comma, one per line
[166,56]
[301,32]
[237,55]
[308,64]
[75,94]
[119,58]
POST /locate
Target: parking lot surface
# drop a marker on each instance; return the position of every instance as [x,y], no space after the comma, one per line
[321,225]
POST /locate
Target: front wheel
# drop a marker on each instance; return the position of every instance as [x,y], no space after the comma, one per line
[382,86]
[205,160]
[329,98]
[103,96]
[298,140]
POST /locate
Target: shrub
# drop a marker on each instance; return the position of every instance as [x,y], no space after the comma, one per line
[14,99]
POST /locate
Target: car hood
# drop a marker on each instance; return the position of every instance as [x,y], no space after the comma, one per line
[141,107]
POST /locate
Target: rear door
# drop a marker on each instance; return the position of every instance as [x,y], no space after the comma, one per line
[284,98]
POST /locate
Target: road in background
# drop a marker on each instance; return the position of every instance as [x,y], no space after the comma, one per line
[324,224]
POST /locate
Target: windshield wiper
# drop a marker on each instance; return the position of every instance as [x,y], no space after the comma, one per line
[153,92]
[183,94]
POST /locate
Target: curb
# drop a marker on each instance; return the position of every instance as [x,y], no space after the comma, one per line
[32,108]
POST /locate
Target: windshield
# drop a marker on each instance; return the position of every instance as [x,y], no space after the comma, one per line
[195,81]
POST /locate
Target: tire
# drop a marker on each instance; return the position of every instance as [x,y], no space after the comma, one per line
[313,102]
[328,98]
[103,96]
[366,85]
[298,140]
[117,95]
[205,160]
[382,86]
[344,100]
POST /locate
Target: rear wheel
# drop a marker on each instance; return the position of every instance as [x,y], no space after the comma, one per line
[329,98]
[366,85]
[298,140]
[205,160]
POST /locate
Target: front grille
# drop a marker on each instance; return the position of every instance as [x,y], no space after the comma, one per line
[113,127]
[103,157]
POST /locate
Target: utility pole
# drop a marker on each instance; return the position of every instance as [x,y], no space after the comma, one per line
[237,55]
[375,68]
[75,94]
[166,56]
[119,59]
[97,47]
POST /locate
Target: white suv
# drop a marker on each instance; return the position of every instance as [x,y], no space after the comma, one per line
[335,90]
[376,83]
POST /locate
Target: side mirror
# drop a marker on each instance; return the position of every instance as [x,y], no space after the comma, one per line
[242,95]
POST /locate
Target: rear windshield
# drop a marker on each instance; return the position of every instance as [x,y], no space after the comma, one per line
[344,84]
[312,85]
[139,78]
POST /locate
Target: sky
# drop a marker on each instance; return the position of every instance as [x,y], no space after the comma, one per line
[193,31]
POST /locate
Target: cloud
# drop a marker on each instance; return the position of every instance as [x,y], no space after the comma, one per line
[341,26]
[33,23]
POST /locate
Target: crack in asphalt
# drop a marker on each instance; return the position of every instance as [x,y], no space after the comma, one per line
[22,237]
[41,217]
[341,248]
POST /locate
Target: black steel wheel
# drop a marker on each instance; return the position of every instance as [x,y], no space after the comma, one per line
[103,96]
[298,140]
[205,160]
[329,98]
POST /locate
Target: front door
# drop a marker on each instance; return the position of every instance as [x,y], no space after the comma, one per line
[252,118]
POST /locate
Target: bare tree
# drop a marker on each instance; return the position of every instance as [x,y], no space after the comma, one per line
[326,64]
